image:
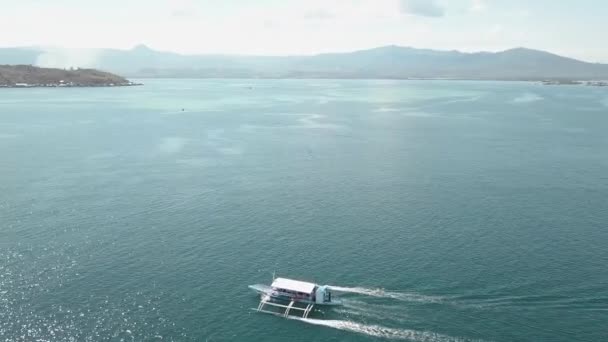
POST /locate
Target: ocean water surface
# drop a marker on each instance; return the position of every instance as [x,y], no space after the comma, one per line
[441,210]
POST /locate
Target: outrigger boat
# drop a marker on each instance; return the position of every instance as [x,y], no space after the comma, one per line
[293,292]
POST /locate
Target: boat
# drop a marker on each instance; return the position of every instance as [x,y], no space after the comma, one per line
[290,294]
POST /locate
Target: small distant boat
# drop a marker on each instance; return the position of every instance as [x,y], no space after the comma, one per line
[293,292]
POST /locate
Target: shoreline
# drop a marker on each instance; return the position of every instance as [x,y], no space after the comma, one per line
[575,83]
[587,83]
[538,81]
[28,76]
[53,85]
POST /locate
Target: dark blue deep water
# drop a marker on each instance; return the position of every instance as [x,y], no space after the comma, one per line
[445,210]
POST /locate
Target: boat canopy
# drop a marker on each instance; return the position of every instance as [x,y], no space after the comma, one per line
[293,285]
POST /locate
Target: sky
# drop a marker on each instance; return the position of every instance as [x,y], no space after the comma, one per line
[574,28]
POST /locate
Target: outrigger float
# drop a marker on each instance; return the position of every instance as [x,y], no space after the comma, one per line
[294,292]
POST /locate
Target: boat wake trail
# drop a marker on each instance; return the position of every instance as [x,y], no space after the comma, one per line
[381,293]
[383,332]
[368,314]
[380,312]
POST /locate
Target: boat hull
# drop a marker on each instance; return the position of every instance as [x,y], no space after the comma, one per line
[265,290]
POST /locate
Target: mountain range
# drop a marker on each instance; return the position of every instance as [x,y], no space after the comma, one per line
[393,62]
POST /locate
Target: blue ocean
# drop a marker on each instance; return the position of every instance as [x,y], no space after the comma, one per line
[438,210]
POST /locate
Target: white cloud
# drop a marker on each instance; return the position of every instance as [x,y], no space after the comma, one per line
[319,14]
[182,8]
[425,8]
[478,6]
[524,13]
[494,32]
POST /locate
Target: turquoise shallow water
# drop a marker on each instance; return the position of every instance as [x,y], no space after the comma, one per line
[446,211]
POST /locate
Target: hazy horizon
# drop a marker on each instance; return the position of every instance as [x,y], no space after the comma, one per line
[275,28]
[145,46]
[63,57]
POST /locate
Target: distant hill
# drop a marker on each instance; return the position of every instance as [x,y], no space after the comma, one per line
[31,76]
[384,62]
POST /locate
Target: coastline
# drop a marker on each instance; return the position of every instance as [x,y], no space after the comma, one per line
[28,76]
[69,85]
[574,82]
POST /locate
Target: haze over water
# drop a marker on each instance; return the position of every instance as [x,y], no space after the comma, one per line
[443,210]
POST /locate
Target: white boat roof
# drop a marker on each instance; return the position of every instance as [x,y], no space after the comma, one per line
[293,285]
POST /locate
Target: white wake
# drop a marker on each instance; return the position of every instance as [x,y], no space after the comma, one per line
[527,98]
[381,293]
[383,332]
